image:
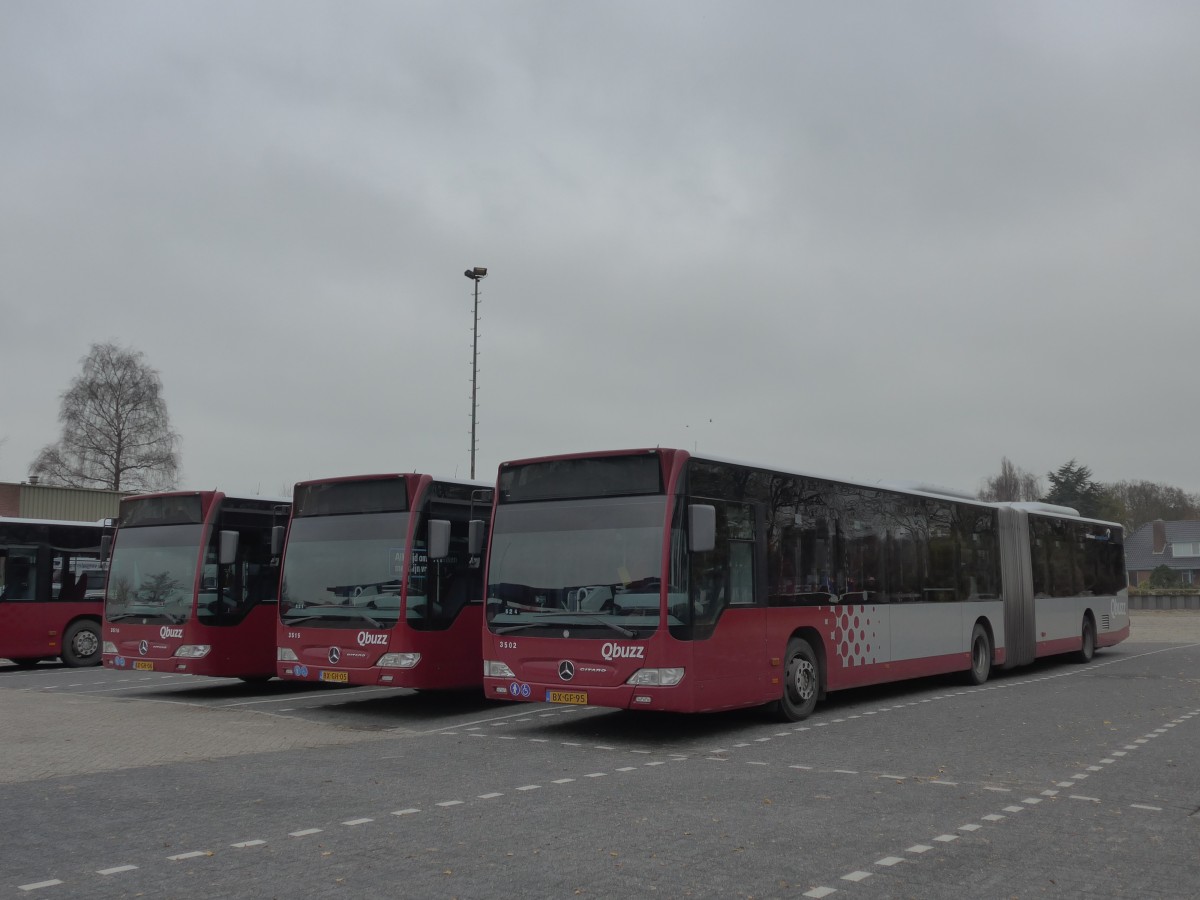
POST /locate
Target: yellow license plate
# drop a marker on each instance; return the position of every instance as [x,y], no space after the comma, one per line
[577,697]
[339,677]
[144,665]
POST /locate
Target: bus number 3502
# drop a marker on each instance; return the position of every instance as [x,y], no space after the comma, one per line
[508,645]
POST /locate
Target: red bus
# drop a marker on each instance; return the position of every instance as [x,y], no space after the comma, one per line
[659,580]
[382,582]
[51,591]
[193,584]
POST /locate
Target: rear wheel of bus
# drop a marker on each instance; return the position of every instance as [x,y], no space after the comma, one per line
[81,644]
[1087,649]
[981,656]
[801,682]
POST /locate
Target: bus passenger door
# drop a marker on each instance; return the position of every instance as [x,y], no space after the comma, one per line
[729,653]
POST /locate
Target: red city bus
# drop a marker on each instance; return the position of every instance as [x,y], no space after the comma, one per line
[655,579]
[193,585]
[382,582]
[51,590]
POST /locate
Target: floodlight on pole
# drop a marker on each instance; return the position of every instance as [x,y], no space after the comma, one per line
[476,274]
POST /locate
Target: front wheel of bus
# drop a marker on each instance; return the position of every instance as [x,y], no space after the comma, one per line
[1088,648]
[802,681]
[81,644]
[981,656]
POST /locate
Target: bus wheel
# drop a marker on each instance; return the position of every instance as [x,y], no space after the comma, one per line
[802,682]
[1088,648]
[981,656]
[81,644]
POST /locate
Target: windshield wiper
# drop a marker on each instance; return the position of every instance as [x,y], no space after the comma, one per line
[341,609]
[559,616]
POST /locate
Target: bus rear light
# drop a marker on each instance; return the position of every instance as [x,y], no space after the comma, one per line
[399,660]
[286,654]
[656,677]
[193,651]
[109,647]
[493,668]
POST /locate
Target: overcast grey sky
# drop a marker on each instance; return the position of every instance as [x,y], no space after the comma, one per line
[881,240]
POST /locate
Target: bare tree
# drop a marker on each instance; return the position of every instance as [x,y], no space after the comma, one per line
[115,430]
[1012,484]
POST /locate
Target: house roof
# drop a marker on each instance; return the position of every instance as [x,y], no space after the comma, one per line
[1139,546]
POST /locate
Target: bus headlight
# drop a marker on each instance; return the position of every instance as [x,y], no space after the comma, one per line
[399,660]
[656,677]
[193,651]
[286,654]
[109,647]
[493,668]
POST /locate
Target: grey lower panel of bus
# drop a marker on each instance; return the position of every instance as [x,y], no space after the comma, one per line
[1016,579]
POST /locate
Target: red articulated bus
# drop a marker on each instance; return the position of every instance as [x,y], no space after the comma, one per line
[659,580]
[193,585]
[51,590]
[382,582]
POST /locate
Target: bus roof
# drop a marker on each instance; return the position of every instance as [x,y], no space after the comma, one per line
[912,488]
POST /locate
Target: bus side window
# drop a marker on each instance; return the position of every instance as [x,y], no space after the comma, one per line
[20,575]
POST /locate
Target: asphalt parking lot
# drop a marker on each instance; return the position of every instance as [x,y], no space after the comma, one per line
[1059,780]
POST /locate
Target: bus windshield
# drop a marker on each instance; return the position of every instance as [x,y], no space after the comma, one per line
[344,571]
[577,566]
[152,575]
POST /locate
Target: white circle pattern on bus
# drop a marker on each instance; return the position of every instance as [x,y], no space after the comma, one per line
[851,640]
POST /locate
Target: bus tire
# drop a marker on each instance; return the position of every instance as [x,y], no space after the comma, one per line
[1087,649]
[81,644]
[801,682]
[981,656]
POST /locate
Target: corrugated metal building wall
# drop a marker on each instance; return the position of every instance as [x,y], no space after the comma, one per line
[44,501]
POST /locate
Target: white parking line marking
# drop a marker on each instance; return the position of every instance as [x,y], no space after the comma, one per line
[353,822]
[993,817]
[845,771]
[819,892]
[595,775]
[178,856]
[529,787]
[491,796]
[946,838]
[450,803]
[241,844]
[304,833]
[1032,801]
[563,780]
[971,827]
[919,848]
[40,884]
[1089,799]
[115,869]
[1144,806]
[889,861]
[946,783]
[1014,809]
[999,790]
[406,812]
[857,876]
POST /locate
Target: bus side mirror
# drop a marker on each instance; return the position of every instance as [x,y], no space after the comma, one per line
[105,547]
[702,527]
[227,552]
[439,538]
[277,533]
[476,529]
